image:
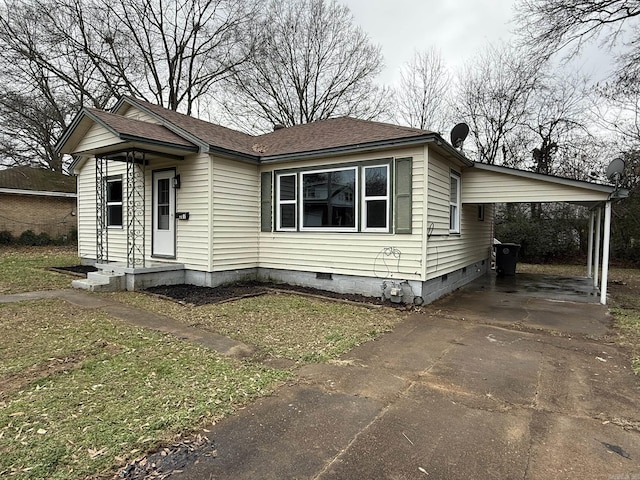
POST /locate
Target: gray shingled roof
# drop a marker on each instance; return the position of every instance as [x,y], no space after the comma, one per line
[320,135]
[329,134]
[138,129]
[209,133]
[39,179]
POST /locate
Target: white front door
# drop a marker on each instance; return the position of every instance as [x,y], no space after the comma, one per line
[164,220]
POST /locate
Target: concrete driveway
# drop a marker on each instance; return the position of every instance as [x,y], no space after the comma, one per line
[481,385]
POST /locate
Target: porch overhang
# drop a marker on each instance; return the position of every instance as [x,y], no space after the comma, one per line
[95,133]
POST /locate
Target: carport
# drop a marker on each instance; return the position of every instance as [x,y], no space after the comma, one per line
[484,183]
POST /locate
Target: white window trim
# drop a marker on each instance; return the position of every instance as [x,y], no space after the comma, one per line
[356,201]
[365,199]
[293,202]
[110,204]
[456,224]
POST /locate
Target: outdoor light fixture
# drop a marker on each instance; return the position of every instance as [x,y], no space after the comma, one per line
[176,181]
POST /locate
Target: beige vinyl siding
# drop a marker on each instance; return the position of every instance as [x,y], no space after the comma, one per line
[117,236]
[438,191]
[97,137]
[192,236]
[351,253]
[86,210]
[137,114]
[236,214]
[447,252]
[494,187]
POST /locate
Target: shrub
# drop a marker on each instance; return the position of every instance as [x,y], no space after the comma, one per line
[6,237]
[28,237]
[43,239]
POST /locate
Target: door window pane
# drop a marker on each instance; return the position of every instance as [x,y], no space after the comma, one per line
[163,204]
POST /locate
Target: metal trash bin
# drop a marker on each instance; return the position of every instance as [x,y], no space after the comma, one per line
[506,258]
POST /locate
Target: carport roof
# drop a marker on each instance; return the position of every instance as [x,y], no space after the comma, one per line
[484,183]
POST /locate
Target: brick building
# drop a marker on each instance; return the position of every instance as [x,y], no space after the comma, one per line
[37,199]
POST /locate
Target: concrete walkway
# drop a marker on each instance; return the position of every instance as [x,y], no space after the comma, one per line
[141,318]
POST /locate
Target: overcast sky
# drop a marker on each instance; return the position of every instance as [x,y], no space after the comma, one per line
[458,28]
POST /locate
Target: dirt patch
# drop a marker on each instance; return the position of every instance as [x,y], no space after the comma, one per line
[195,295]
[16,382]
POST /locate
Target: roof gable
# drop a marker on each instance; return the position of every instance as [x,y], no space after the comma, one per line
[209,134]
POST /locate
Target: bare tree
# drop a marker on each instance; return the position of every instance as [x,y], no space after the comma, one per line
[422,96]
[548,26]
[57,55]
[493,93]
[558,120]
[617,109]
[312,63]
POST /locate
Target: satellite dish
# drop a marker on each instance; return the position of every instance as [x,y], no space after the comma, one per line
[459,134]
[615,169]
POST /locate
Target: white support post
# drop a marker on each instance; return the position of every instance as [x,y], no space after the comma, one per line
[597,252]
[605,253]
[590,245]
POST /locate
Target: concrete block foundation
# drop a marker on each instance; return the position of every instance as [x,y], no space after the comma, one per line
[396,290]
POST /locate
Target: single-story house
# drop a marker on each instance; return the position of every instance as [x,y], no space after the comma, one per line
[37,199]
[341,204]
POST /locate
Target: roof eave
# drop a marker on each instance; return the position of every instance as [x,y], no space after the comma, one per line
[234,154]
[549,178]
[158,143]
[369,147]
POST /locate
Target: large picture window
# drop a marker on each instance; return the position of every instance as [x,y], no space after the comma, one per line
[454,204]
[344,198]
[114,201]
[329,199]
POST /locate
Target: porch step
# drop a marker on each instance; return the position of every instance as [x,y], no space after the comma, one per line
[101,282]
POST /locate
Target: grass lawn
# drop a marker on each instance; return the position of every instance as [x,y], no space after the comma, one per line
[24,269]
[624,299]
[298,328]
[82,393]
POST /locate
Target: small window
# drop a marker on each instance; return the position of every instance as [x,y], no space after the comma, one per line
[286,202]
[454,203]
[328,199]
[114,202]
[375,209]
[481,213]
